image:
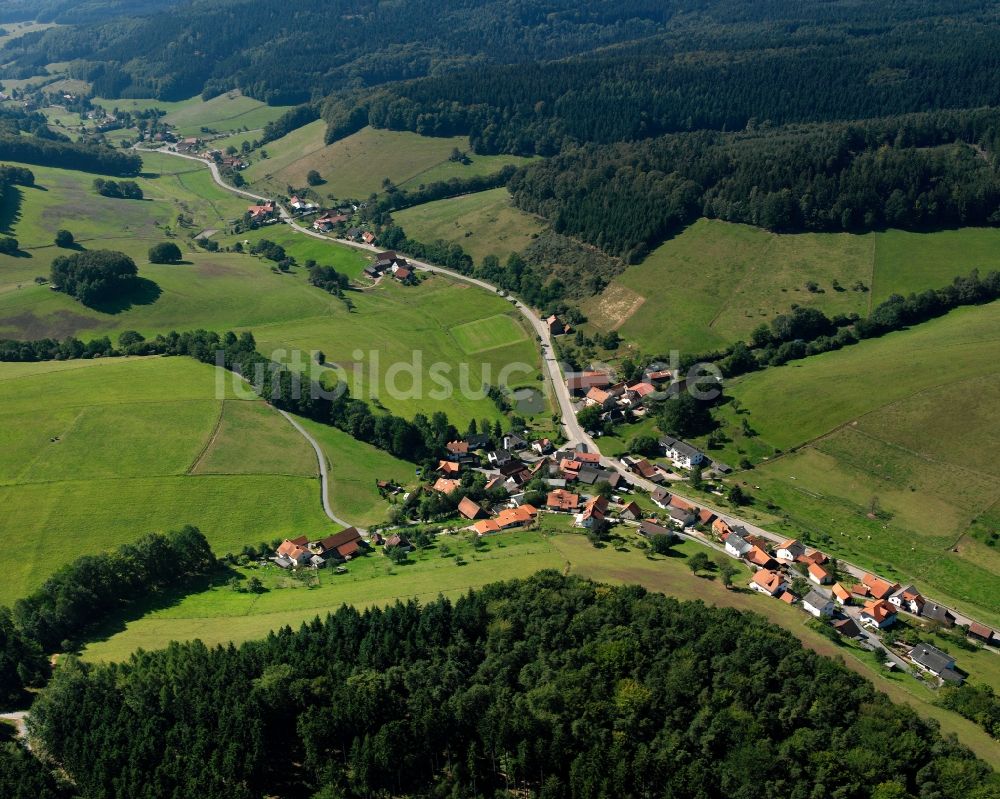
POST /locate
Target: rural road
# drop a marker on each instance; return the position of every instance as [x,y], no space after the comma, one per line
[575,434]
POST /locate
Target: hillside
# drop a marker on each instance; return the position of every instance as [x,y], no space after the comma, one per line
[96,453]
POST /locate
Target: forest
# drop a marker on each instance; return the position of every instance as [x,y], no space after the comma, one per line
[552,685]
[920,171]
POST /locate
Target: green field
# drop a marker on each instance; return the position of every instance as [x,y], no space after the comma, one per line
[486,334]
[484,223]
[356,166]
[894,445]
[96,453]
[231,111]
[715,282]
[219,291]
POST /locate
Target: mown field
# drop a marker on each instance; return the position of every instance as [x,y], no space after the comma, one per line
[218,291]
[96,453]
[886,451]
[231,111]
[484,223]
[715,282]
[219,614]
[356,166]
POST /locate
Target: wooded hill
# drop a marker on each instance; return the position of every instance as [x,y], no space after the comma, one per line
[552,687]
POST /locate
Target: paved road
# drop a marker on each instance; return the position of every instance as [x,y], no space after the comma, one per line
[324,479]
[574,433]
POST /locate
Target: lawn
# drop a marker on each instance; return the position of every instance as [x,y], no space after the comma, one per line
[219,615]
[486,334]
[356,166]
[484,223]
[715,282]
[96,453]
[886,453]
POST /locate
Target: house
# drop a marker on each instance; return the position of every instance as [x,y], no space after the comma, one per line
[817,557]
[651,529]
[397,542]
[938,613]
[819,575]
[877,587]
[402,273]
[543,446]
[736,544]
[980,632]
[368,237]
[294,551]
[445,486]
[516,517]
[705,516]
[641,390]
[790,550]
[555,325]
[631,511]
[499,457]
[847,627]
[562,500]
[659,376]
[587,457]
[788,598]
[932,660]
[646,470]
[661,498]
[758,557]
[261,213]
[599,397]
[300,204]
[877,613]
[570,468]
[457,447]
[590,476]
[486,526]
[494,483]
[327,221]
[594,511]
[681,454]
[681,518]
[841,594]
[340,546]
[470,509]
[908,599]
[584,381]
[477,441]
[449,467]
[721,528]
[817,604]
[768,582]
[513,442]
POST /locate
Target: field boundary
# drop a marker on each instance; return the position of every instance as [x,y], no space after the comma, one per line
[211,440]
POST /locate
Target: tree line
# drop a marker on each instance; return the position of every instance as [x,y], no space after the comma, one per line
[918,172]
[552,687]
[86,157]
[57,615]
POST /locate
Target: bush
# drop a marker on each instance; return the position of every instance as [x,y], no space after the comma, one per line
[64,239]
[313,178]
[9,245]
[164,253]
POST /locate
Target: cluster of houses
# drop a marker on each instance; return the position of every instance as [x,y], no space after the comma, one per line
[339,548]
[261,213]
[389,263]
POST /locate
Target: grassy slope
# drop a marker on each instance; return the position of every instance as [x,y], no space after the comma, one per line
[484,223]
[230,111]
[96,453]
[716,281]
[901,426]
[231,291]
[356,166]
[220,615]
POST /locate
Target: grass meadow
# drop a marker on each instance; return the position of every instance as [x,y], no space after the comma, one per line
[96,453]
[356,166]
[716,281]
[484,223]
[231,111]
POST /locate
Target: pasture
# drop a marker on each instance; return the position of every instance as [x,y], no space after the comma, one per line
[715,282]
[883,453]
[96,453]
[486,334]
[357,165]
[484,223]
[230,111]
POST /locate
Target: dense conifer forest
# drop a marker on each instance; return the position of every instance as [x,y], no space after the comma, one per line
[552,685]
